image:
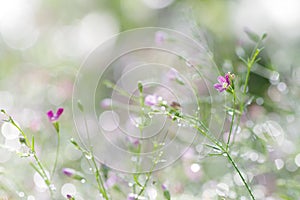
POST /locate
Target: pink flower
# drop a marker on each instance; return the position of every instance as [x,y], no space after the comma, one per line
[164,187]
[151,100]
[133,141]
[54,117]
[72,173]
[68,172]
[224,83]
[106,103]
[112,180]
[132,196]
[172,74]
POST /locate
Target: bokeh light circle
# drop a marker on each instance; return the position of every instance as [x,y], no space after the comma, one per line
[114,122]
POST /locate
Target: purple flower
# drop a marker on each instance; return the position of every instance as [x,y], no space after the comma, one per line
[111,181]
[172,74]
[68,172]
[106,103]
[54,117]
[72,173]
[131,196]
[151,100]
[70,197]
[133,141]
[224,82]
[164,187]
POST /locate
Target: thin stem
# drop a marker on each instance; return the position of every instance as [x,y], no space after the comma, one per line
[145,184]
[232,120]
[57,154]
[90,153]
[99,179]
[45,178]
[250,63]
[240,174]
[89,156]
[149,174]
[40,166]
[141,128]
[10,119]
[111,85]
[42,173]
[222,149]
[100,184]
[152,168]
[198,128]
[247,79]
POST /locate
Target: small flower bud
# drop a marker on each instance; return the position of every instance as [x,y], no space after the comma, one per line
[22,139]
[70,197]
[106,103]
[73,174]
[132,196]
[68,172]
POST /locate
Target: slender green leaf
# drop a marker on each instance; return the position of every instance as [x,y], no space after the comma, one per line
[252,36]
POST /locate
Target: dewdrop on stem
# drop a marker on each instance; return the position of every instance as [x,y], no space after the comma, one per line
[52,187]
[88,156]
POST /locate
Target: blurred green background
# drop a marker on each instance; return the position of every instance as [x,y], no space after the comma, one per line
[44,42]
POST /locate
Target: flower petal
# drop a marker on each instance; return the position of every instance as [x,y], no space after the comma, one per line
[222,89]
[50,115]
[68,172]
[59,112]
[221,79]
[151,100]
[218,85]
[227,79]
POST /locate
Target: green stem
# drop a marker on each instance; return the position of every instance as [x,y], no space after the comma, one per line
[240,174]
[113,86]
[145,184]
[194,122]
[10,119]
[247,79]
[198,128]
[90,157]
[42,171]
[141,128]
[90,153]
[40,166]
[226,152]
[149,175]
[232,120]
[249,64]
[43,174]
[57,154]
[151,170]
[99,180]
